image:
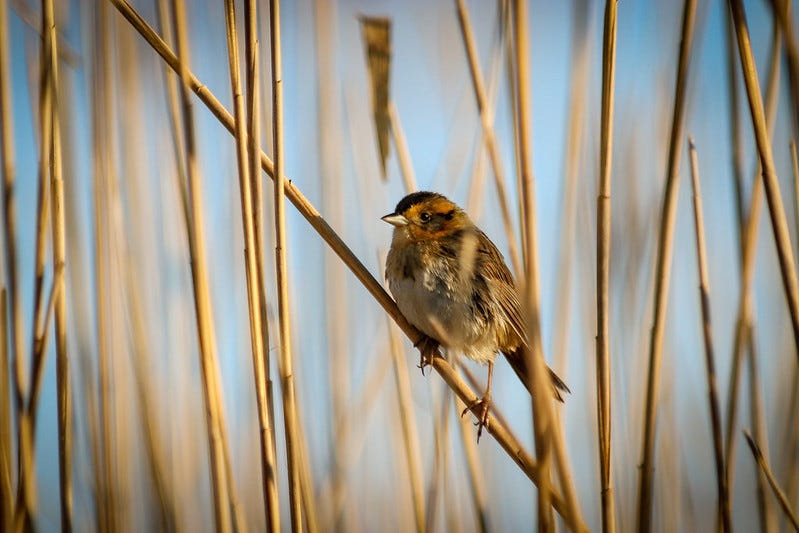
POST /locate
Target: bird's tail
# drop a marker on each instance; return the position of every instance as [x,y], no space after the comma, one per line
[519,361]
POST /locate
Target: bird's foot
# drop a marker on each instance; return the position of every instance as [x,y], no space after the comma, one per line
[428,347]
[480,408]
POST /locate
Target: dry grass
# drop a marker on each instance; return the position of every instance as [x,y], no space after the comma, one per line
[135,279]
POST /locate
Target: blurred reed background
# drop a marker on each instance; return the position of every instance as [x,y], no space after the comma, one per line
[164,368]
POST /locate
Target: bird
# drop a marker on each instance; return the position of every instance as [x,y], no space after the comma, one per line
[452,283]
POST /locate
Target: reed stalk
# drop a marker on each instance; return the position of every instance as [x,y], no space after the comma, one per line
[770,184]
[710,365]
[403,154]
[202,300]
[63,382]
[765,509]
[287,371]
[253,275]
[790,514]
[663,271]
[489,135]
[12,338]
[575,142]
[744,326]
[603,267]
[410,439]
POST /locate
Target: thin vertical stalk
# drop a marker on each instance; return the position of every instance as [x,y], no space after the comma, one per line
[736,141]
[778,493]
[488,131]
[575,140]
[6,490]
[253,74]
[663,272]
[403,154]
[795,173]
[102,116]
[202,303]
[603,267]
[770,184]
[764,507]
[63,382]
[749,235]
[287,372]
[267,452]
[476,489]
[14,348]
[410,439]
[710,365]
[542,416]
[782,13]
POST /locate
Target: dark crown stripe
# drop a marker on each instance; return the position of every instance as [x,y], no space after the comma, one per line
[415,198]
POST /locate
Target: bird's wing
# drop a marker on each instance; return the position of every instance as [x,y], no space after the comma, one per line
[492,267]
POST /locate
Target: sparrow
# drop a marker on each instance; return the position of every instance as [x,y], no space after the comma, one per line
[452,283]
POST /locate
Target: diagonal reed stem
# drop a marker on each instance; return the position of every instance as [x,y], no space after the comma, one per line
[749,232]
[488,131]
[663,271]
[778,493]
[770,184]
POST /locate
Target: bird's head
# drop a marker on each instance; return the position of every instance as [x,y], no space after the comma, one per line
[427,215]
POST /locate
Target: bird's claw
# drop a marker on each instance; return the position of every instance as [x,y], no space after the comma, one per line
[483,406]
[427,348]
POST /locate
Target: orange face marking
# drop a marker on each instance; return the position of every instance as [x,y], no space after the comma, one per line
[437,225]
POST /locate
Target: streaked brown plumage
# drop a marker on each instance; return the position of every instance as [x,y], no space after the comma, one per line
[452,283]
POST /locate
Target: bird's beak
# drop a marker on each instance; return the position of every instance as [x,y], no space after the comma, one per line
[395,220]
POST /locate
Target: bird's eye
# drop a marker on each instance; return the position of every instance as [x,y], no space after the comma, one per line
[425,217]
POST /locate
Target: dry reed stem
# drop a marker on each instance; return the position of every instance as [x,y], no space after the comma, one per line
[710,365]
[575,139]
[40,348]
[156,461]
[476,490]
[795,172]
[287,372]
[663,272]
[778,493]
[202,304]
[603,267]
[403,154]
[510,444]
[63,382]
[530,291]
[6,489]
[770,183]
[410,438]
[102,115]
[476,194]
[10,252]
[26,491]
[749,235]
[253,276]
[489,135]
[736,141]
[782,12]
[254,132]
[765,509]
[375,35]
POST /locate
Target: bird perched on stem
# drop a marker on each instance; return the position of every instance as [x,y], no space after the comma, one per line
[451,282]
